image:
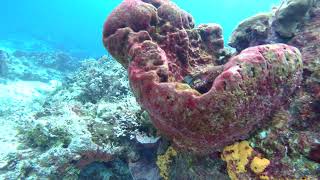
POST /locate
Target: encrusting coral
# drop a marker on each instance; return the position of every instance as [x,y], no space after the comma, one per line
[175,75]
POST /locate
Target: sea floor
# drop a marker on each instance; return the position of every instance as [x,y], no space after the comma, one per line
[19,100]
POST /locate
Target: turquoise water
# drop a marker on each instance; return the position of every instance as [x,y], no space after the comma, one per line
[76,25]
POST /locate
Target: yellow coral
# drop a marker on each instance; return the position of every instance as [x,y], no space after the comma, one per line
[236,156]
[264,177]
[258,165]
[163,162]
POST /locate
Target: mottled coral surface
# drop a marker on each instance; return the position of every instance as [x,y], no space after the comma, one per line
[292,139]
[174,74]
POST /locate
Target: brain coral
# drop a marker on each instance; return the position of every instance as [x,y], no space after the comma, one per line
[174,74]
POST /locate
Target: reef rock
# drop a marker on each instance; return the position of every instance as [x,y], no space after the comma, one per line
[295,22]
[251,32]
[174,74]
[289,15]
[307,36]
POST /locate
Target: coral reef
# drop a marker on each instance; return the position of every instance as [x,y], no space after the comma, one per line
[44,136]
[54,60]
[245,162]
[253,114]
[93,83]
[20,65]
[288,146]
[174,73]
[69,135]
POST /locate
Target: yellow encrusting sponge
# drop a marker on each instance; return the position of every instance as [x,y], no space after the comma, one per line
[258,165]
[236,156]
[164,161]
[242,160]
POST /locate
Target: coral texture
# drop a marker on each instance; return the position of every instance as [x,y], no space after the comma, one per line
[293,138]
[174,74]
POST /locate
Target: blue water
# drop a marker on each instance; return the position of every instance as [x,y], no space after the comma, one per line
[75,26]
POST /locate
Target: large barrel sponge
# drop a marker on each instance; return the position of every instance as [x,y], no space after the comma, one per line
[173,73]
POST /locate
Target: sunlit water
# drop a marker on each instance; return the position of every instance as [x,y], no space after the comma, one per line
[76,26]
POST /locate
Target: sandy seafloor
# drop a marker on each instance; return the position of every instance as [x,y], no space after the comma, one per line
[19,99]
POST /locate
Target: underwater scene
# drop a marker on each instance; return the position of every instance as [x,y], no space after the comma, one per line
[160,90]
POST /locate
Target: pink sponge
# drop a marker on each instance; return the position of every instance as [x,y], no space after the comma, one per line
[173,73]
